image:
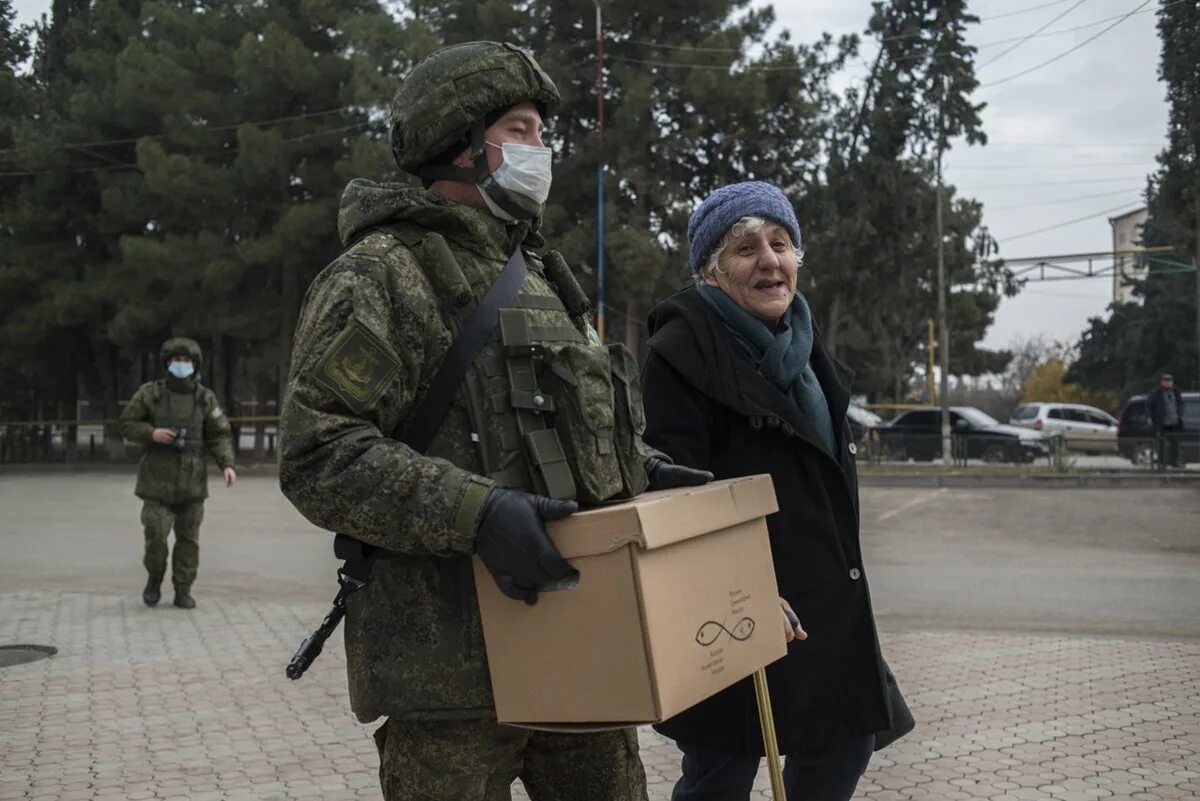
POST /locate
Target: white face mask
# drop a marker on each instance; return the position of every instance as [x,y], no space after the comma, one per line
[519,187]
[181,369]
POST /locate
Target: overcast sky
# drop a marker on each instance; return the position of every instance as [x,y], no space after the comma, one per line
[1085,129]
[1088,126]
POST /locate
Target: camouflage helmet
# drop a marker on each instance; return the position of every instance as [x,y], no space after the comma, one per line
[181,346]
[445,98]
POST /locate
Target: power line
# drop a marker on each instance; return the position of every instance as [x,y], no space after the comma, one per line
[1119,17]
[1076,166]
[1059,201]
[689,48]
[916,35]
[1056,183]
[213,154]
[1076,145]
[1065,223]
[1025,39]
[1068,295]
[1077,28]
[722,67]
[614,310]
[1024,10]
[1068,51]
[198,129]
[899,36]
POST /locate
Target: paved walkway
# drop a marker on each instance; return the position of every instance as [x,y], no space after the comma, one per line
[163,704]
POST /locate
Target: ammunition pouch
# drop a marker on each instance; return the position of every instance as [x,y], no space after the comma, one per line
[630,420]
[552,413]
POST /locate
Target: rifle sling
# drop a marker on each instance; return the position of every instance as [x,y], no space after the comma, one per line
[418,434]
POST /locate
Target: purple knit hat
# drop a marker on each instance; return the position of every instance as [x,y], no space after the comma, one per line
[724,207]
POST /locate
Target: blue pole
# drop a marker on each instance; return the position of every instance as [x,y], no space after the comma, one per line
[600,250]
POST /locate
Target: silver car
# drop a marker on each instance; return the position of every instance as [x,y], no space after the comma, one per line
[1084,428]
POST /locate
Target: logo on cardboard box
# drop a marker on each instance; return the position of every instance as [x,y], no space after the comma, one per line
[711,632]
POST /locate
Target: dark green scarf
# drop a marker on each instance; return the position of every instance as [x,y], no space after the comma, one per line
[783,357]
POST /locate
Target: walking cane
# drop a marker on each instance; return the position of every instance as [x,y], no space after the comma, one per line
[766,719]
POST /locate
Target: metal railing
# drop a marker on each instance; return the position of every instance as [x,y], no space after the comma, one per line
[1171,451]
[255,439]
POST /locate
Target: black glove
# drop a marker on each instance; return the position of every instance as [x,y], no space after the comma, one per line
[664,475]
[512,542]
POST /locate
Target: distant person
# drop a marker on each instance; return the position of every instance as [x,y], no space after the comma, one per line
[1166,416]
[180,424]
[739,382]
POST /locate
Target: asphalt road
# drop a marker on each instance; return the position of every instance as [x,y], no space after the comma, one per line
[1088,561]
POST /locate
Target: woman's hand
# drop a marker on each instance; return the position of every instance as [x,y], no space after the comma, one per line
[230,477]
[791,624]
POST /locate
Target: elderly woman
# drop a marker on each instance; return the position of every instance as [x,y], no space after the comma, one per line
[738,382]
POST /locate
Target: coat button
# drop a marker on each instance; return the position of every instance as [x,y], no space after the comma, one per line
[855,574]
[853,449]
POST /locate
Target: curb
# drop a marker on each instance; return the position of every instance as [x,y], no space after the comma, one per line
[1031,481]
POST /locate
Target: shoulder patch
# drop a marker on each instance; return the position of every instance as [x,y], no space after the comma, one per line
[357,367]
[593,337]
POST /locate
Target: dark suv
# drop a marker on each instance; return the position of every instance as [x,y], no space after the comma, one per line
[1135,436]
[916,434]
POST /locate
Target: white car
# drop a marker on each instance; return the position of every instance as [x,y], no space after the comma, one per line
[1084,428]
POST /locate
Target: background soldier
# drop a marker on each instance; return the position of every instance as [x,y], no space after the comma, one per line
[545,415]
[180,425]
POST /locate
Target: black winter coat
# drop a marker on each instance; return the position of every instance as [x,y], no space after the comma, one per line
[708,407]
[1156,401]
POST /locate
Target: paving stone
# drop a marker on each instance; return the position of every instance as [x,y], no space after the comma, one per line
[143,705]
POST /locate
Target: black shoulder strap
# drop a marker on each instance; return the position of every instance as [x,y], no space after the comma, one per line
[432,409]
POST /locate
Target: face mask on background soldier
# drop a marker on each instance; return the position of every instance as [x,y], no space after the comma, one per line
[181,369]
[519,187]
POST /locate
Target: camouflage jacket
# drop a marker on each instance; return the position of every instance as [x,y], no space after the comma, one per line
[374,328]
[168,475]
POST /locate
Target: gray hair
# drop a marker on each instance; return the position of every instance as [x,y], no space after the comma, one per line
[746,225]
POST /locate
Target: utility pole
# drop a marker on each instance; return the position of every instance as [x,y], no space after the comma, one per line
[600,169]
[929,380]
[944,355]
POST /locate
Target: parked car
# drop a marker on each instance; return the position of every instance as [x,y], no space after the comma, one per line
[1083,428]
[862,421]
[1135,437]
[916,434]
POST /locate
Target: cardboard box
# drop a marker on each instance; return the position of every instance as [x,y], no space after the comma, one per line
[676,601]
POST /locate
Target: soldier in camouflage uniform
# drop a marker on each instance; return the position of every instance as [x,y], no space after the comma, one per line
[180,425]
[545,417]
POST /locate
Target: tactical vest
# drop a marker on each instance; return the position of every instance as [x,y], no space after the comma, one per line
[176,411]
[552,410]
[168,475]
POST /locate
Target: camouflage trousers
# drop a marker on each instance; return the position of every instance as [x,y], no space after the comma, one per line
[157,520]
[474,760]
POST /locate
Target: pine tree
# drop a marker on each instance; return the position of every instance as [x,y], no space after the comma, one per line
[1158,333]
[262,110]
[57,245]
[218,139]
[872,274]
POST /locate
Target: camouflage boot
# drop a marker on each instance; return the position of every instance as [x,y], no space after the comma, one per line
[183,598]
[152,593]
